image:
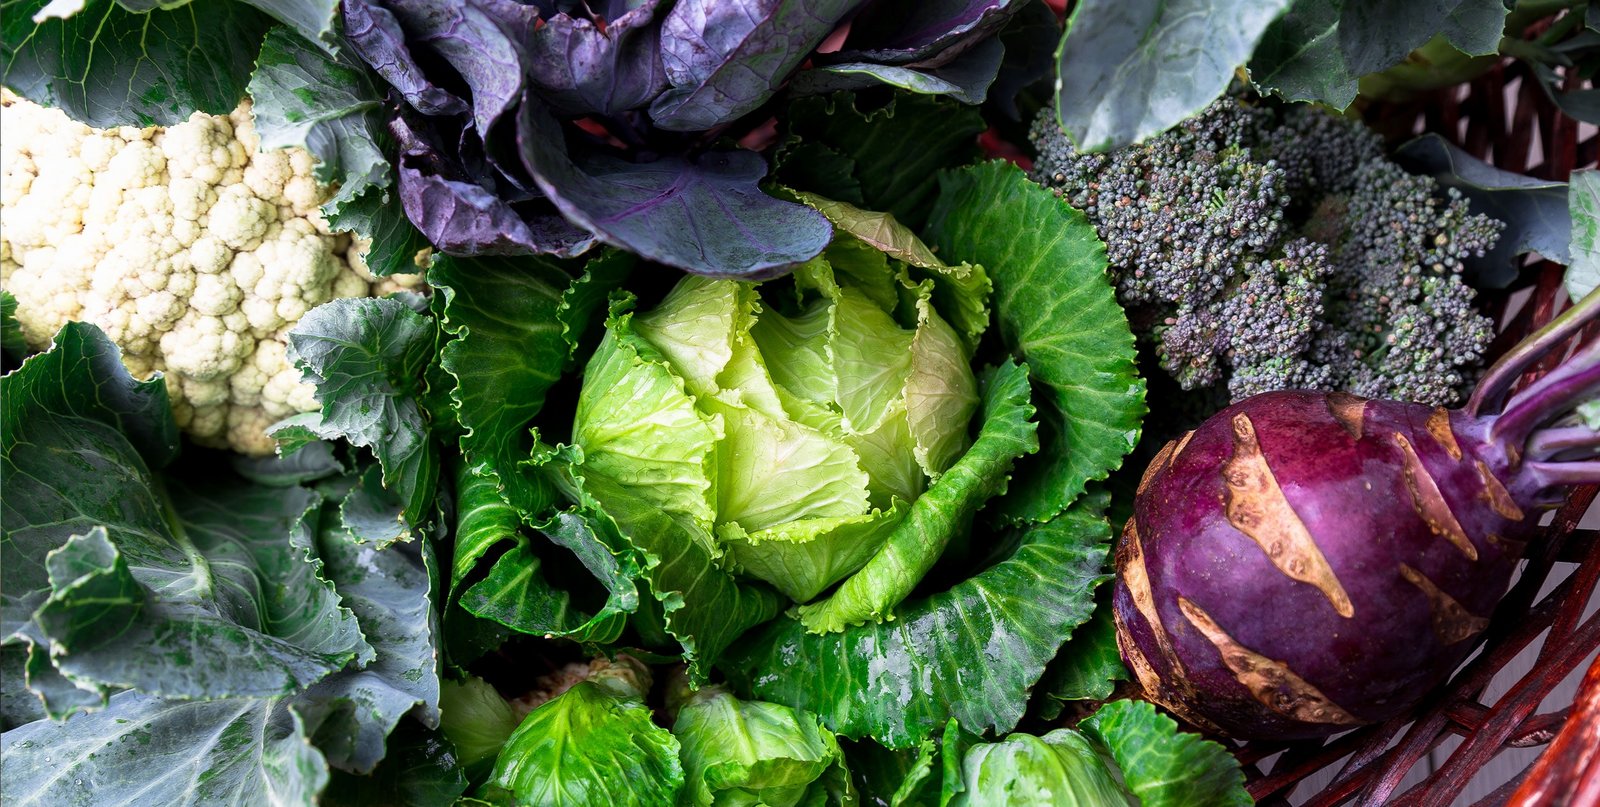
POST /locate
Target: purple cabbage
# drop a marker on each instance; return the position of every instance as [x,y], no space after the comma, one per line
[550,126]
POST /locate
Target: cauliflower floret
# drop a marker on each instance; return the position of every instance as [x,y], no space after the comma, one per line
[192,250]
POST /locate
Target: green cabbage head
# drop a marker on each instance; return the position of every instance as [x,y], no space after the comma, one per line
[788,426]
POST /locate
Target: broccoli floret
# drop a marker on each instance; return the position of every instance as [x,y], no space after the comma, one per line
[1271,249]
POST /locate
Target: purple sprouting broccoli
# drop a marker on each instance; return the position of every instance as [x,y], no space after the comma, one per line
[1260,249]
[1306,561]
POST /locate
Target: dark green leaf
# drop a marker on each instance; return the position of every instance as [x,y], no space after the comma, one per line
[1375,35]
[896,174]
[1163,766]
[366,357]
[108,66]
[1088,666]
[420,770]
[306,463]
[971,652]
[12,344]
[516,592]
[1058,312]
[1299,57]
[894,778]
[372,514]
[1534,210]
[224,572]
[377,215]
[141,750]
[1130,69]
[1321,48]
[1030,40]
[1474,27]
[314,20]
[351,714]
[509,349]
[325,104]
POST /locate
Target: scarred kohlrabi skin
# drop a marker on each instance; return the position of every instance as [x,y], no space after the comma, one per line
[1295,566]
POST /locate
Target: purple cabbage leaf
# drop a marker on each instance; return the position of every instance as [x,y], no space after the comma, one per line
[704,214]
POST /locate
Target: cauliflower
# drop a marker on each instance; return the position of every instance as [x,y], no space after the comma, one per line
[193,250]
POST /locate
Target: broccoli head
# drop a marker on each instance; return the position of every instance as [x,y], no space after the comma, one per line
[1266,249]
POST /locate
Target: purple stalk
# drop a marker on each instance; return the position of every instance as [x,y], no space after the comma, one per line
[1551,397]
[1499,378]
[1547,443]
[1564,473]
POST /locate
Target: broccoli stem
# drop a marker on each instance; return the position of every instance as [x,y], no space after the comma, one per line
[1497,381]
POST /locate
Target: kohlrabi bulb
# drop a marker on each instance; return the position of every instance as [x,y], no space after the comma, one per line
[788,425]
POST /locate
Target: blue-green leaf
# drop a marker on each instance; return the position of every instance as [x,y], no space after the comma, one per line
[1130,69]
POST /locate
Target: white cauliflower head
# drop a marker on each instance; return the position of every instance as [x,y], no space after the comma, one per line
[192,249]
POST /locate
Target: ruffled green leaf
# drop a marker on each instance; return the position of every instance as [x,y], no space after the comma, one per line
[366,356]
[961,291]
[394,246]
[392,591]
[871,358]
[1162,766]
[518,594]
[971,652]
[325,103]
[641,434]
[802,558]
[372,514]
[946,507]
[1088,666]
[940,393]
[1058,312]
[509,349]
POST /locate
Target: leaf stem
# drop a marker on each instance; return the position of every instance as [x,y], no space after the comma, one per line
[1548,443]
[1551,397]
[1498,380]
[204,582]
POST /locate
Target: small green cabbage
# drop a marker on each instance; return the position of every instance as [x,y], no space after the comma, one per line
[786,426]
[739,752]
[1061,769]
[593,744]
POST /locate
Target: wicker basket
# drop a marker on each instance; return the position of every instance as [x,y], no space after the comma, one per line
[1503,117]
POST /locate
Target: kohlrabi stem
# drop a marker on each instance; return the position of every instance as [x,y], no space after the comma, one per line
[1498,380]
[1572,383]
[1547,474]
[1547,443]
